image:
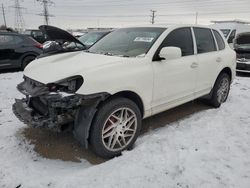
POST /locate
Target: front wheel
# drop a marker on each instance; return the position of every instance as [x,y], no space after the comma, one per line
[221,90]
[115,128]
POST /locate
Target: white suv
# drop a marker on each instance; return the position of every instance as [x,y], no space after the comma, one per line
[103,94]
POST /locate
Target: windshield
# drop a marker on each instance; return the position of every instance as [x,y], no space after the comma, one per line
[88,39]
[225,32]
[128,42]
[91,38]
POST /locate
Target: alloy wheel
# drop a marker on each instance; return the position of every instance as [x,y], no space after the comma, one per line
[119,129]
[223,90]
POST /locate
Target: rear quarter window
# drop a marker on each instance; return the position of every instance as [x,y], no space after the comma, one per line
[18,40]
[204,40]
[219,39]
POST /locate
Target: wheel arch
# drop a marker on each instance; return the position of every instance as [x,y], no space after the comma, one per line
[228,71]
[28,54]
[133,97]
[87,113]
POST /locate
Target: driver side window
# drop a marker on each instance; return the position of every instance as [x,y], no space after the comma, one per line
[181,38]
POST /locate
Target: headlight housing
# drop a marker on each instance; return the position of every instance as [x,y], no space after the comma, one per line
[68,85]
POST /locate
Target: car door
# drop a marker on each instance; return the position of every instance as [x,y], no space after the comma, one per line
[208,60]
[6,50]
[174,80]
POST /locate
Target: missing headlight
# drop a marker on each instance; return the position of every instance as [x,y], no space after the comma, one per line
[70,85]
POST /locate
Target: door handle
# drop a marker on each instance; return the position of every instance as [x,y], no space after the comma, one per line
[218,60]
[194,65]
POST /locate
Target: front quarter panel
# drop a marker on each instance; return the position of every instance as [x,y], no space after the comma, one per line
[134,74]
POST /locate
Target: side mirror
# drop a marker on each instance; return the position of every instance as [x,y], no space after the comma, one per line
[169,53]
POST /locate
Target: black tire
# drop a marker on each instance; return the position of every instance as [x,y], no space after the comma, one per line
[26,61]
[105,111]
[215,99]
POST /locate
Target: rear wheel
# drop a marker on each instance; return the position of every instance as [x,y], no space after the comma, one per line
[220,90]
[115,127]
[26,61]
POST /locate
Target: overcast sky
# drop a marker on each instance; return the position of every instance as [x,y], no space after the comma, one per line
[117,13]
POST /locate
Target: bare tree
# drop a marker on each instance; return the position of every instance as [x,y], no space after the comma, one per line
[2,27]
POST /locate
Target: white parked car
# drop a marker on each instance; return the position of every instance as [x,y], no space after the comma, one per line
[103,94]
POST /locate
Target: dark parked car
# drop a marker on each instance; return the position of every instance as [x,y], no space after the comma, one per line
[242,48]
[61,41]
[17,50]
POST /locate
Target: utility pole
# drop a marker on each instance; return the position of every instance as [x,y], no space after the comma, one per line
[45,13]
[4,16]
[196,18]
[152,16]
[19,21]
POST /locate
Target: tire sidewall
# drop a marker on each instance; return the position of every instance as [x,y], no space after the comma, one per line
[97,125]
[214,99]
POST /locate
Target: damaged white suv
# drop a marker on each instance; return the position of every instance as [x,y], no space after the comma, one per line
[103,94]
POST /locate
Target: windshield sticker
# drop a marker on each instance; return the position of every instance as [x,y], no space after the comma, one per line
[143,39]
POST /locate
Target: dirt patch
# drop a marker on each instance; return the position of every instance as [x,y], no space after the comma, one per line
[63,146]
[173,115]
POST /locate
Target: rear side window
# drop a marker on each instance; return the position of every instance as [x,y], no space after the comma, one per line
[7,40]
[219,39]
[18,39]
[204,40]
[181,38]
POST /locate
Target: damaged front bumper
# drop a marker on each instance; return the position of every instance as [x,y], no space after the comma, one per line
[50,111]
[57,110]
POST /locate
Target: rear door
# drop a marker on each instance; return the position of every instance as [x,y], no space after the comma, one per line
[209,60]
[7,51]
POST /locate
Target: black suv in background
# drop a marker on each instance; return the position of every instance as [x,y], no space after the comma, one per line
[242,48]
[17,50]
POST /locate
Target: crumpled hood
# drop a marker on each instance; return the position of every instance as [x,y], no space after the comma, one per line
[54,68]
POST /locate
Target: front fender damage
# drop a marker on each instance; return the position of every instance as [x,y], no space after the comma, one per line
[85,115]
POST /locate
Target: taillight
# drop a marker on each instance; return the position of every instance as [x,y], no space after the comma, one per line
[38,45]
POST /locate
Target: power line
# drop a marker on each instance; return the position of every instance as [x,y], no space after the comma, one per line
[152,16]
[196,18]
[19,21]
[182,2]
[46,4]
[4,16]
